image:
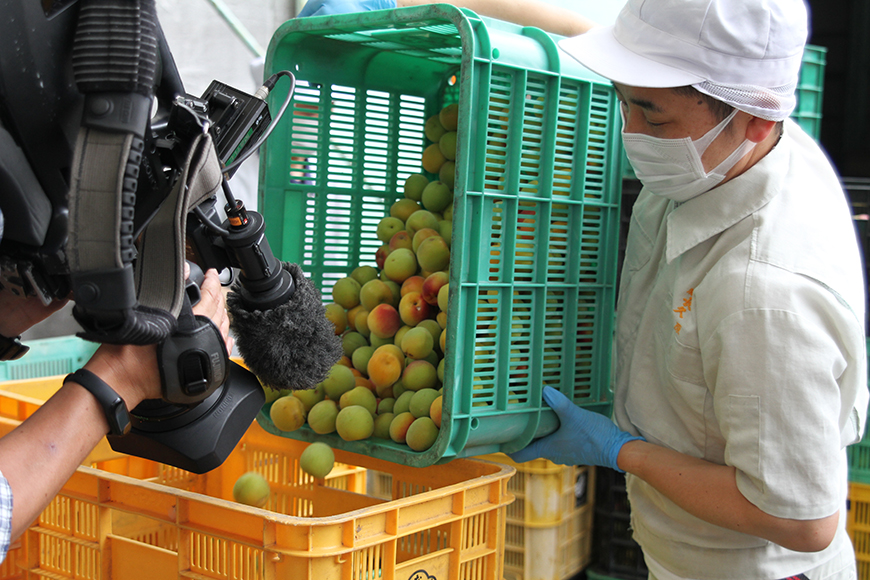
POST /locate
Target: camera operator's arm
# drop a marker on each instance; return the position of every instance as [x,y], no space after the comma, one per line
[40,455]
[524,12]
[19,314]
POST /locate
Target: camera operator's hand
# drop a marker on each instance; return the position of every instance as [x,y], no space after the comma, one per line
[132,370]
[20,313]
[39,455]
[214,305]
[325,7]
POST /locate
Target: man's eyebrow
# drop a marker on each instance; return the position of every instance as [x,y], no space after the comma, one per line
[648,105]
[642,103]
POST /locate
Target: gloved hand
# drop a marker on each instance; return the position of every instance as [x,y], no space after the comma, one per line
[324,7]
[583,437]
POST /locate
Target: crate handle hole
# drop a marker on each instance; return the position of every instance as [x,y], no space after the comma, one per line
[475,423]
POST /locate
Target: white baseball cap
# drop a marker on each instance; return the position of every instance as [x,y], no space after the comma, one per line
[746,53]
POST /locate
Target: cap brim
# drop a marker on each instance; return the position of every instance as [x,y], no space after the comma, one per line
[600,51]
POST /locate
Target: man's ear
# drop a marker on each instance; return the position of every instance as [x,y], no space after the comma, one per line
[757,130]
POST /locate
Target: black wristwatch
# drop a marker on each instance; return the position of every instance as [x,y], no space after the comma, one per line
[112,403]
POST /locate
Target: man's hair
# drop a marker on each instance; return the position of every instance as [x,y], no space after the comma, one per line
[719,108]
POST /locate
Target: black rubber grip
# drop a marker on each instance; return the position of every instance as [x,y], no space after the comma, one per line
[116,46]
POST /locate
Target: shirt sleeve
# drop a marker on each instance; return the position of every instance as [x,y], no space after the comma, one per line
[780,383]
[5,516]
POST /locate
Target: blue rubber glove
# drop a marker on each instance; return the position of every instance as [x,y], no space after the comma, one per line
[583,437]
[325,7]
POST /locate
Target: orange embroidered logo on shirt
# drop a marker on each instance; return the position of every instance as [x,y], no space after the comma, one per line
[686,307]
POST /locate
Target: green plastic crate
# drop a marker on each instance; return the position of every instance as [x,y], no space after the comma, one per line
[808,110]
[536,202]
[859,460]
[48,357]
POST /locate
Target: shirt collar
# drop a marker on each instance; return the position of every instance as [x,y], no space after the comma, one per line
[700,218]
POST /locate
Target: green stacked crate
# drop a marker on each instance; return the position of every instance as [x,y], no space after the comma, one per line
[535,213]
[808,112]
[47,357]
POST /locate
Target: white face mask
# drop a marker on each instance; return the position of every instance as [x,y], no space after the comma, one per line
[672,168]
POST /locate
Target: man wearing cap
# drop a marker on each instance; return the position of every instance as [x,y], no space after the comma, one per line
[740,365]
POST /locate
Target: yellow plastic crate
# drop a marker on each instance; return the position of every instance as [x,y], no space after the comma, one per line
[19,399]
[858,526]
[548,535]
[446,522]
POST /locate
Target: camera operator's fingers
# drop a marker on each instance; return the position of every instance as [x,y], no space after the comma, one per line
[211,302]
[213,305]
[224,326]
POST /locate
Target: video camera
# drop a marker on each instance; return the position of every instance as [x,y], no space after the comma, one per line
[91,101]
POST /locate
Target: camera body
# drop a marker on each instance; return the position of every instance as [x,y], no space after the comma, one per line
[32,263]
[46,98]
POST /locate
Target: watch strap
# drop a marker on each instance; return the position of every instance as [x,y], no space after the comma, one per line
[11,348]
[113,405]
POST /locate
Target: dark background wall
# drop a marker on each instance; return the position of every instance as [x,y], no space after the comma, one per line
[843,27]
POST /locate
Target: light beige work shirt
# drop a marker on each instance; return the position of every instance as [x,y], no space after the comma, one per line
[740,340]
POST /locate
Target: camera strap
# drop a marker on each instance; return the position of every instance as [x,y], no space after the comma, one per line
[126,291]
[115,302]
[162,250]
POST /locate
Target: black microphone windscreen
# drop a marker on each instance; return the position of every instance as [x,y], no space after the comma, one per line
[291,346]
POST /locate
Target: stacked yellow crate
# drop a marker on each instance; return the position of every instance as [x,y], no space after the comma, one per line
[858,526]
[548,535]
